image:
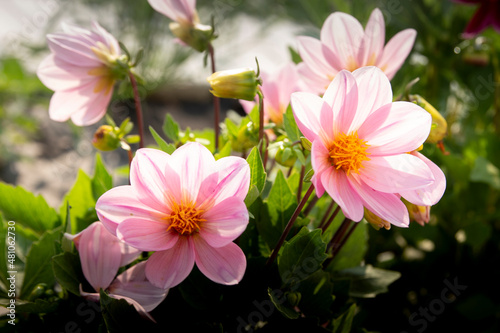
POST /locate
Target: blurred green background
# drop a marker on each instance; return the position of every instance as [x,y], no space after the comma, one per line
[459,77]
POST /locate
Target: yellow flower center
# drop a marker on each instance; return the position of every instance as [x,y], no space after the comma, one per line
[106,80]
[348,152]
[186,219]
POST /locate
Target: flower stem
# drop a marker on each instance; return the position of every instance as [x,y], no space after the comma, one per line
[289,226]
[339,234]
[301,181]
[341,243]
[138,108]
[261,122]
[216,100]
[330,220]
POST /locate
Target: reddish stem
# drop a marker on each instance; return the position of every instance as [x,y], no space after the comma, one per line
[138,108]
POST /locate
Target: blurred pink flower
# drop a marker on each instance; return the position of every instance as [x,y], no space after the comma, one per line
[344,45]
[80,71]
[188,208]
[360,140]
[277,88]
[181,11]
[487,14]
[101,255]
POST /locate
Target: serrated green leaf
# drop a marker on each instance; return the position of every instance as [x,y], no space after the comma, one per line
[82,203]
[367,281]
[67,271]
[291,128]
[171,128]
[343,323]
[257,172]
[301,256]
[102,180]
[38,268]
[280,302]
[26,209]
[164,146]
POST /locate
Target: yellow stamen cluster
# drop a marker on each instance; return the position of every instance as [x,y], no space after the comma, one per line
[186,219]
[348,152]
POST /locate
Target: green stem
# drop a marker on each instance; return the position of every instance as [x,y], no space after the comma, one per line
[301,181]
[216,100]
[289,226]
[138,108]
[330,220]
[261,122]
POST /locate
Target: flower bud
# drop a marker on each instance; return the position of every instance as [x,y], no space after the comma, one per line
[197,36]
[439,127]
[419,214]
[239,83]
[247,138]
[105,138]
[376,221]
[285,156]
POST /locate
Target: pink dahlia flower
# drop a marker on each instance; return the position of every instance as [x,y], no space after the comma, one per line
[277,88]
[360,144]
[101,255]
[344,45]
[186,207]
[80,71]
[487,14]
[181,11]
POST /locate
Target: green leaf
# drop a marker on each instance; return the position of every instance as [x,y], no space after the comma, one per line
[301,256]
[26,209]
[257,172]
[81,202]
[38,268]
[280,301]
[102,180]
[316,294]
[39,306]
[171,128]
[166,147]
[485,172]
[3,253]
[291,128]
[224,151]
[68,272]
[367,281]
[119,315]
[343,323]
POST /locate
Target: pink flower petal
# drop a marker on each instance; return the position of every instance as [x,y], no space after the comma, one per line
[224,222]
[387,206]
[396,51]
[133,284]
[147,235]
[224,265]
[431,194]
[147,177]
[342,97]
[177,10]
[56,74]
[100,255]
[120,203]
[338,187]
[94,111]
[311,52]
[343,34]
[315,83]
[73,50]
[129,254]
[405,129]
[166,269]
[320,163]
[373,40]
[307,109]
[391,174]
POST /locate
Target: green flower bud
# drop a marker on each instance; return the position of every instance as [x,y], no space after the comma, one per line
[285,156]
[439,127]
[239,83]
[376,221]
[247,138]
[105,138]
[198,36]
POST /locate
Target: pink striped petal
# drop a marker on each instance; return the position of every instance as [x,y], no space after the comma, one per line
[225,265]
[129,254]
[404,130]
[121,203]
[396,51]
[315,83]
[431,194]
[57,74]
[343,34]
[391,174]
[387,206]
[166,269]
[338,187]
[73,50]
[307,109]
[311,52]
[100,256]
[94,111]
[177,10]
[148,178]
[106,38]
[147,235]
[374,91]
[342,97]
[373,40]
[133,284]
[224,222]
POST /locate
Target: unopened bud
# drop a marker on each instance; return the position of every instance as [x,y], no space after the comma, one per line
[439,127]
[247,138]
[376,221]
[285,156]
[419,214]
[198,36]
[241,83]
[105,138]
